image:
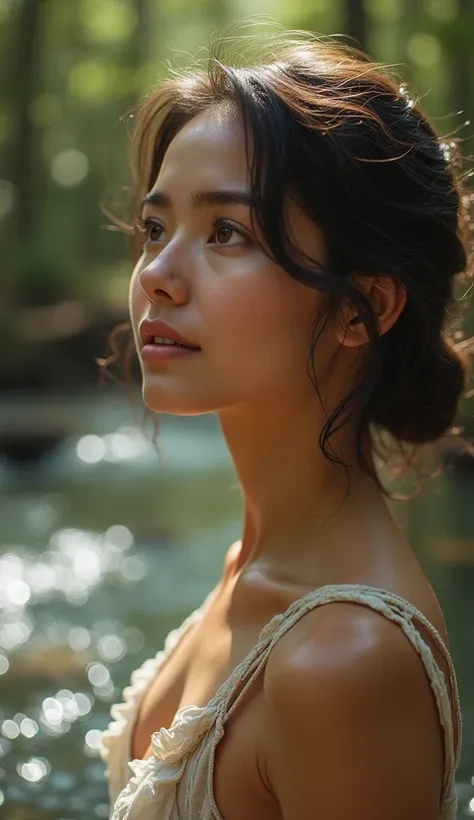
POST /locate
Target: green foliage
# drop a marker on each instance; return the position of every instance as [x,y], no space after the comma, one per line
[390,11]
[110,21]
[92,60]
[455,35]
[42,273]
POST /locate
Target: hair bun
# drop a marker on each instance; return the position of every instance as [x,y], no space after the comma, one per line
[426,406]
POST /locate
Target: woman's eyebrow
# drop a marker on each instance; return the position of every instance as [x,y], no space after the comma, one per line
[200,198]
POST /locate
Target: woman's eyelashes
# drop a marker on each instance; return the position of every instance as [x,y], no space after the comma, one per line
[220,223]
[145,226]
[223,229]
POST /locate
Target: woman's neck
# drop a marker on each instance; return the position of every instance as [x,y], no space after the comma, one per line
[300,510]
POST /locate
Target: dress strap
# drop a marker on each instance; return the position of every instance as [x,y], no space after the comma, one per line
[396,609]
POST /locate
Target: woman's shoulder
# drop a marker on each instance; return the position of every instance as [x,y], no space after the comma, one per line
[363,625]
[346,691]
[343,637]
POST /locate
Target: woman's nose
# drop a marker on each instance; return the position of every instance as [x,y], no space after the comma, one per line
[161,279]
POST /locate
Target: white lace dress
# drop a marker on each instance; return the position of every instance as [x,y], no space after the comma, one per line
[116,739]
[177,781]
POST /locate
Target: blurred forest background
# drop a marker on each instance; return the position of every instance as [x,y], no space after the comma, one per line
[70,70]
[103,551]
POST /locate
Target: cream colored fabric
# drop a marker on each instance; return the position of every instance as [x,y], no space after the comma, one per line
[116,739]
[176,782]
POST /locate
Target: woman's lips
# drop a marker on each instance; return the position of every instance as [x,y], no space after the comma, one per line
[166,352]
[157,328]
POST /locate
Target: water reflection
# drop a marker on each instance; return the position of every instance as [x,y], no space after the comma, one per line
[28,727]
[41,642]
[73,564]
[92,742]
[10,729]
[111,648]
[126,444]
[35,769]
[60,641]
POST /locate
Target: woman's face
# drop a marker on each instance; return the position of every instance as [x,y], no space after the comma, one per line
[215,285]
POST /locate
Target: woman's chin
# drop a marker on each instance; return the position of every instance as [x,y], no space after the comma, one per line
[158,400]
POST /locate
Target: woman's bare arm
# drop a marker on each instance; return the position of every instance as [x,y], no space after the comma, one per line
[353,729]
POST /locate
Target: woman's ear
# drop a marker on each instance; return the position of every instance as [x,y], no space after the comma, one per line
[388,299]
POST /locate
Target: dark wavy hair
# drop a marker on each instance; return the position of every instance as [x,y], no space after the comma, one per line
[336,131]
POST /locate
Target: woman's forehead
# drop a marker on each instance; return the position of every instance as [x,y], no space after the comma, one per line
[212,137]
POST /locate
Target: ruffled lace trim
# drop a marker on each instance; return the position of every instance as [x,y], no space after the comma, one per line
[184,751]
[151,791]
[115,740]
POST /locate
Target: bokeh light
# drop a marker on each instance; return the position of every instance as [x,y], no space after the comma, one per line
[69,168]
[93,81]
[92,741]
[34,770]
[90,449]
[10,729]
[424,49]
[107,21]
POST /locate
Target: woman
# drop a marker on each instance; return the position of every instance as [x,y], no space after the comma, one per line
[297,239]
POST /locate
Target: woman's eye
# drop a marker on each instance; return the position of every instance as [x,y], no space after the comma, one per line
[223,234]
[223,231]
[152,231]
[149,228]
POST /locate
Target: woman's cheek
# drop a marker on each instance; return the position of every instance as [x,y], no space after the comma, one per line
[246,340]
[238,319]
[137,300]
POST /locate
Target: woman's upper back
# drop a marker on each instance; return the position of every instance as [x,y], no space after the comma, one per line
[177,781]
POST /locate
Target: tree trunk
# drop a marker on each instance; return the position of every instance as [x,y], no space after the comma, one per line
[461,68]
[355,22]
[23,67]
[25,73]
[139,43]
